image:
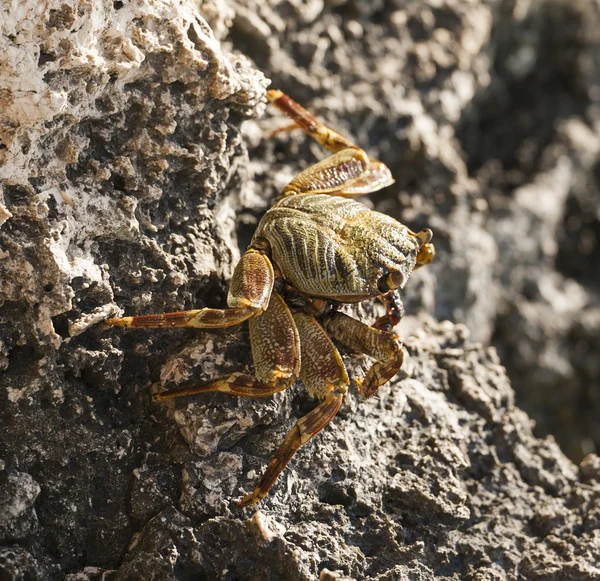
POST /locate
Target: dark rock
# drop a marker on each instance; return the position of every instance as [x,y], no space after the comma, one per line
[18,492]
[16,564]
[127,185]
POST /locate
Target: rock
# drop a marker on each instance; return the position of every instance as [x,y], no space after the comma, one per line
[133,171]
[17,563]
[18,492]
[421,480]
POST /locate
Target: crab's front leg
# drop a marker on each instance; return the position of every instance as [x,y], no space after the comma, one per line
[323,374]
[384,346]
[249,294]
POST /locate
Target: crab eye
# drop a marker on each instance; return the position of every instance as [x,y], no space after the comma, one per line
[391,281]
[425,255]
[424,237]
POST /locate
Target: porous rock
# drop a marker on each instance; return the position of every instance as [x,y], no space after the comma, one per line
[17,496]
[127,185]
[487,114]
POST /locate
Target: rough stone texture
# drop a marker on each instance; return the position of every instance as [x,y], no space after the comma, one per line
[540,176]
[127,185]
[488,115]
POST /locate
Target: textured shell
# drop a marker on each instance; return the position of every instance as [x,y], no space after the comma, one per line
[333,247]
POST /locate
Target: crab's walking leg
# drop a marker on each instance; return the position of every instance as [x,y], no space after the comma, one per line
[323,373]
[324,135]
[249,294]
[276,355]
[384,346]
[349,172]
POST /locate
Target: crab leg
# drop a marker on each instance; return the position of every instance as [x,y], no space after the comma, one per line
[394,311]
[324,135]
[323,374]
[238,384]
[384,346]
[348,172]
[305,428]
[249,294]
[276,355]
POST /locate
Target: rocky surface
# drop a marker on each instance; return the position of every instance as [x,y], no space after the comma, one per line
[488,115]
[127,184]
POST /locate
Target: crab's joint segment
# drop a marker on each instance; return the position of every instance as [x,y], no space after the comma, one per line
[330,176]
[346,173]
[322,366]
[252,281]
[375,177]
[275,343]
[384,346]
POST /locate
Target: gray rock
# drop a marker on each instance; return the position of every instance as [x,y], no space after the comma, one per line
[18,492]
[18,565]
[132,172]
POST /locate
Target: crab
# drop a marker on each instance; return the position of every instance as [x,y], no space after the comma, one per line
[314,250]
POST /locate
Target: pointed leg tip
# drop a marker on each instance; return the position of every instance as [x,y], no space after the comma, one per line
[245,501]
[166,395]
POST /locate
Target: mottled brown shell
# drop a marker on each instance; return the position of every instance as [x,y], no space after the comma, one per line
[333,247]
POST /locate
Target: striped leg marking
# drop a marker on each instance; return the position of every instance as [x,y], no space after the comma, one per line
[202,319]
[384,346]
[324,375]
[276,354]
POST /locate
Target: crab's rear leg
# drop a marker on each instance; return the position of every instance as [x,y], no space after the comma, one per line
[323,374]
[384,346]
[249,294]
[348,172]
